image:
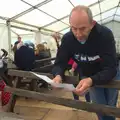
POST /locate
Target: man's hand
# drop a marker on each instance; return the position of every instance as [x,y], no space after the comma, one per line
[83,86]
[57,79]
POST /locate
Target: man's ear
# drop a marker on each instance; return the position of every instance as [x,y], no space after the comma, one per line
[93,23]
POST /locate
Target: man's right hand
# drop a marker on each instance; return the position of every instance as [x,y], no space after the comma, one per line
[57,79]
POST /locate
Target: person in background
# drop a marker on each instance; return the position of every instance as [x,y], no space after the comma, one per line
[45,45]
[30,44]
[41,53]
[24,57]
[15,44]
[18,41]
[57,39]
[92,47]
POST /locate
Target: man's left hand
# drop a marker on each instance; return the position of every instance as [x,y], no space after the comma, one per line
[83,86]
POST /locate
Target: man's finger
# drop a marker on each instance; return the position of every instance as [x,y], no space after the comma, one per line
[79,85]
[81,89]
[57,82]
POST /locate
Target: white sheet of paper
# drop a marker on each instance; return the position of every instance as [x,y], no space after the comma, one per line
[69,87]
[43,77]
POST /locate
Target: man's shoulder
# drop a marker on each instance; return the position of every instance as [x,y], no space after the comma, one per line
[103,30]
[105,34]
[67,36]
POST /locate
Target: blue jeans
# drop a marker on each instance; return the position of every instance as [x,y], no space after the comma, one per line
[106,96]
[87,97]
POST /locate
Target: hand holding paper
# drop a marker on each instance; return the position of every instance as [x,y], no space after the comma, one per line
[69,87]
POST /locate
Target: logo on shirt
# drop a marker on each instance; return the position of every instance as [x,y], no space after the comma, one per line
[86,58]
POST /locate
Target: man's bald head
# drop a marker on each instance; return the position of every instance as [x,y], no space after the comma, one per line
[84,10]
[81,22]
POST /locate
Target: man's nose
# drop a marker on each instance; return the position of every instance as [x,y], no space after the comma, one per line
[78,33]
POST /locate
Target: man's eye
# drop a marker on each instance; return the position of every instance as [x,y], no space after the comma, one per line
[83,28]
[74,28]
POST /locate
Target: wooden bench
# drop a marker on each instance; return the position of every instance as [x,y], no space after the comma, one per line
[91,107]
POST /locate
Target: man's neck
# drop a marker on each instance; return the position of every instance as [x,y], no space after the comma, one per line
[82,41]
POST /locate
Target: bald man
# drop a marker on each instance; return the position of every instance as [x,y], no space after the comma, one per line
[92,47]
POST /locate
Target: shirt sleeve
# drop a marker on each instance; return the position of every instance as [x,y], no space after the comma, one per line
[109,61]
[62,58]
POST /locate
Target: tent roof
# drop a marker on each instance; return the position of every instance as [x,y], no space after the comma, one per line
[53,14]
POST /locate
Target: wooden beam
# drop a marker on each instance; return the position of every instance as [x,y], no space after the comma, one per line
[68,79]
[47,66]
[20,73]
[44,60]
[26,74]
[90,107]
[45,69]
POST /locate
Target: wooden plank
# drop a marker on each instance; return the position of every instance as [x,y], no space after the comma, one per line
[56,114]
[45,69]
[90,107]
[31,109]
[11,65]
[36,112]
[44,60]
[48,66]
[20,73]
[7,81]
[14,97]
[68,79]
[26,74]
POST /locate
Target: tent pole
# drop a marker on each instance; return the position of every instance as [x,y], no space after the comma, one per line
[9,38]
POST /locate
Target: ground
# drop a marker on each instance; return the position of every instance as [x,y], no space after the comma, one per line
[39,110]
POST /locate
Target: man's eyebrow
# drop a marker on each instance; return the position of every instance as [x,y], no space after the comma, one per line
[73,26]
[78,28]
